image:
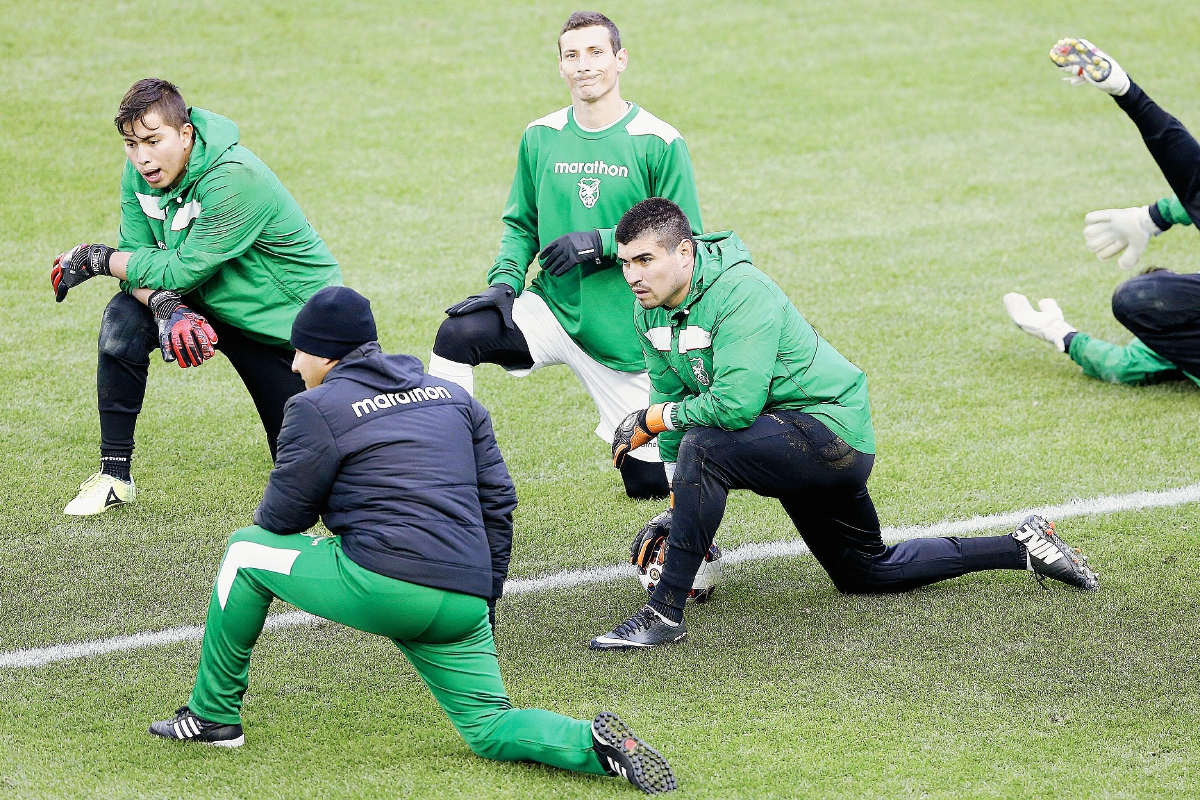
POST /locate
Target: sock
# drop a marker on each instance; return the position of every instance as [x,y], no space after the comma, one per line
[671,613]
[992,552]
[116,466]
[460,373]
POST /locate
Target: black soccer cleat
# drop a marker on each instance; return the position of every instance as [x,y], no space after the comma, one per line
[1051,557]
[625,755]
[188,727]
[646,628]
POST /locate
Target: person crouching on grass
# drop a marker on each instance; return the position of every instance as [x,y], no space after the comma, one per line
[404,469]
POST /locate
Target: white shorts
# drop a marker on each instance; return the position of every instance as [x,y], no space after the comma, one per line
[616,394]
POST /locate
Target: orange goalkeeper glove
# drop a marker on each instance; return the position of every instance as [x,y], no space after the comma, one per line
[639,428]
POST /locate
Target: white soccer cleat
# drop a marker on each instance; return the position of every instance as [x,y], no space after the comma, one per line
[98,494]
[1120,230]
[1085,63]
[1047,324]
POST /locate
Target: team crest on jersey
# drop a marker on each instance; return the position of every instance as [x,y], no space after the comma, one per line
[589,191]
[698,370]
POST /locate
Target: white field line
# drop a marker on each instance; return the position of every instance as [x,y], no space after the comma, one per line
[37,657]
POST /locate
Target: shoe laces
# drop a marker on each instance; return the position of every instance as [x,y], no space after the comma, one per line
[643,619]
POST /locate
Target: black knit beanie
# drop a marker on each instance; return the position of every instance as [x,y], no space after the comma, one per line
[333,322]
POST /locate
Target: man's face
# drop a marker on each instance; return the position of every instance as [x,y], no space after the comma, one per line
[658,277]
[312,369]
[588,64]
[158,151]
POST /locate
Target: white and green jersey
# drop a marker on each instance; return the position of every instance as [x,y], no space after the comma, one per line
[572,179]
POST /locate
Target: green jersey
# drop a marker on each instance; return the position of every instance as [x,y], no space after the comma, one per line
[571,179]
[736,348]
[229,235]
[1172,211]
[1134,364]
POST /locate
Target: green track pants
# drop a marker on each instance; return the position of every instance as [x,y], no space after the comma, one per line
[445,635]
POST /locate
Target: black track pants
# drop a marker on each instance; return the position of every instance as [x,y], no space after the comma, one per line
[822,483]
[129,335]
[1162,308]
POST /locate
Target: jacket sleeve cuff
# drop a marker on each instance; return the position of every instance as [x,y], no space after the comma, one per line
[510,282]
[1157,218]
[497,587]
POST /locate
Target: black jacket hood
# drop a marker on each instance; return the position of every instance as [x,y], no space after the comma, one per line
[372,367]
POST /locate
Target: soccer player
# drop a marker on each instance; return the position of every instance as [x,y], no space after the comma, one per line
[213,255]
[1161,308]
[405,471]
[578,170]
[747,395]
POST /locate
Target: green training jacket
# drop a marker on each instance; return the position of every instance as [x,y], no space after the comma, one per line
[229,235]
[737,348]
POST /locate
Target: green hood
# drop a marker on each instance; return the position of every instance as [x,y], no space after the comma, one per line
[716,253]
[214,136]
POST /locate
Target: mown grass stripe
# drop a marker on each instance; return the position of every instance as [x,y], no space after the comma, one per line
[36,657]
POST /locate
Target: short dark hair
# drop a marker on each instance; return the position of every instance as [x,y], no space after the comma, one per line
[152,95]
[657,217]
[591,19]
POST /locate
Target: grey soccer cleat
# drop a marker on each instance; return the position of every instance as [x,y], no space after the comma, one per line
[621,753]
[1083,62]
[1051,557]
[188,726]
[646,628]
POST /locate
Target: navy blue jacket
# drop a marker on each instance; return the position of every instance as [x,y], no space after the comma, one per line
[404,467]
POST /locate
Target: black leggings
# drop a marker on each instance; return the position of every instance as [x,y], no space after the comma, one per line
[1162,308]
[129,334]
[822,483]
[482,338]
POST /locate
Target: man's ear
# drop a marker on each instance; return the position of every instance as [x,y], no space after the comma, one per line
[685,251]
[188,133]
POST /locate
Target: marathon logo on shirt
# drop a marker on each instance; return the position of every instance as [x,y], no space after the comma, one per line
[590,168]
[390,399]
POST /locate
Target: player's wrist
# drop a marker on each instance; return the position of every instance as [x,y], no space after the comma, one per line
[1157,219]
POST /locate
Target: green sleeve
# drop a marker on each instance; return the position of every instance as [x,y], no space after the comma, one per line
[135,230]
[235,206]
[672,178]
[1133,364]
[1173,211]
[519,243]
[745,344]
[665,387]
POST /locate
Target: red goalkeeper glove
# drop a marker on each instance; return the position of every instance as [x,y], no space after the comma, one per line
[637,429]
[183,335]
[77,265]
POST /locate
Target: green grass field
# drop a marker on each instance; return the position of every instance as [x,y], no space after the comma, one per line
[895,166]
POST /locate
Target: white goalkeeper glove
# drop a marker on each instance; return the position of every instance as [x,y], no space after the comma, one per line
[1112,230]
[1046,324]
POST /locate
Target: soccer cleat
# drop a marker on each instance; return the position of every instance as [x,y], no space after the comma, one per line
[621,753]
[646,628]
[1050,557]
[98,494]
[1085,63]
[186,726]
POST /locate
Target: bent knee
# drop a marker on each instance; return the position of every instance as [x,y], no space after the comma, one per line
[1134,299]
[463,338]
[127,329]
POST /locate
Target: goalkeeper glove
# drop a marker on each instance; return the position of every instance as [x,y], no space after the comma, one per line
[1085,63]
[584,247]
[77,265]
[183,335]
[638,428]
[499,296]
[1046,324]
[647,539]
[1113,230]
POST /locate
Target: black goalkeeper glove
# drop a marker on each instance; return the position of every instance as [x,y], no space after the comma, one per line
[492,615]
[584,247]
[77,265]
[647,539]
[499,296]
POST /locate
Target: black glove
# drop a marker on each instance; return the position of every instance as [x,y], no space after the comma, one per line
[499,296]
[77,265]
[492,615]
[647,539]
[570,249]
